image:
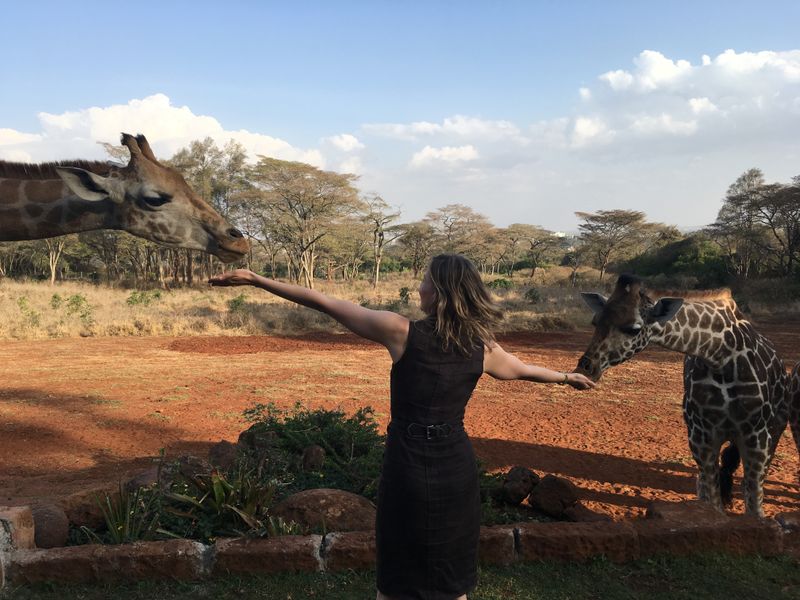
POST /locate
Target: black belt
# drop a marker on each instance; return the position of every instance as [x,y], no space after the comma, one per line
[428,432]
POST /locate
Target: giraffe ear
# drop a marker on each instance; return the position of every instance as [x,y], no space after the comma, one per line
[88,185]
[665,309]
[594,301]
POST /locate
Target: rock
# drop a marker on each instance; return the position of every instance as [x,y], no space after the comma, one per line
[553,495]
[577,542]
[496,545]
[191,466]
[518,484]
[256,439]
[223,454]
[313,458]
[255,556]
[83,508]
[328,510]
[16,528]
[50,526]
[578,513]
[142,479]
[93,563]
[353,550]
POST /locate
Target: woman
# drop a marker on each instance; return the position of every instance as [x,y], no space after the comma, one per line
[428,516]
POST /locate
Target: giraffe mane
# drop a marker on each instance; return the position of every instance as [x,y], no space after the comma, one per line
[47,170]
[692,295]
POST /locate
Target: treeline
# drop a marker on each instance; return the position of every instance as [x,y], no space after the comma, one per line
[305,223]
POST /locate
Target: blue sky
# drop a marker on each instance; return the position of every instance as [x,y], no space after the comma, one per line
[498,85]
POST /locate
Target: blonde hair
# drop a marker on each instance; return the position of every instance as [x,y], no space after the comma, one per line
[464,310]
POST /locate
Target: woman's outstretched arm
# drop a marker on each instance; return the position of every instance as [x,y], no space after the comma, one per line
[384,327]
[501,365]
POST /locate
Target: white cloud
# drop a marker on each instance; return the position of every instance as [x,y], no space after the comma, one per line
[168,128]
[702,105]
[456,126]
[587,129]
[346,142]
[585,93]
[351,164]
[618,80]
[447,155]
[654,125]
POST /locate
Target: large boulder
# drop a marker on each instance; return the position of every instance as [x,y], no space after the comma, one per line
[553,495]
[518,484]
[223,454]
[50,525]
[327,510]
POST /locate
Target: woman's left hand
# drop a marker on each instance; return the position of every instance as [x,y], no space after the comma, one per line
[237,277]
[579,381]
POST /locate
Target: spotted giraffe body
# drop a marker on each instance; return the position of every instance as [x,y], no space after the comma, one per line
[735,386]
[144,197]
[794,406]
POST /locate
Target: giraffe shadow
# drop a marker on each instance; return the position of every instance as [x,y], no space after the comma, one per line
[629,475]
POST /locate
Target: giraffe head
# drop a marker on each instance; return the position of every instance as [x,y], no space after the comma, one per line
[623,324]
[154,202]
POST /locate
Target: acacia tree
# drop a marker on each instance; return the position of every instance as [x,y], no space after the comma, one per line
[379,219]
[303,203]
[417,243]
[459,227]
[611,235]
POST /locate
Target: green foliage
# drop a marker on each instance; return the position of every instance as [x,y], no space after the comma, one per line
[207,506]
[693,262]
[31,316]
[405,295]
[129,517]
[533,295]
[56,301]
[353,447]
[77,304]
[237,304]
[144,297]
[500,284]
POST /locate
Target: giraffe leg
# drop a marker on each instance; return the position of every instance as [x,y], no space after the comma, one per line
[706,456]
[756,462]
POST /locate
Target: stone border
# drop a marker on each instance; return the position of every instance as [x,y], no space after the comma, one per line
[668,529]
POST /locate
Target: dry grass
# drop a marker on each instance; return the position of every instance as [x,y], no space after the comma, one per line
[36,310]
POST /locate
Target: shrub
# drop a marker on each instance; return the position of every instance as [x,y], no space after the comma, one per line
[128,516]
[405,295]
[237,304]
[143,297]
[77,304]
[533,295]
[353,447]
[55,301]
[500,284]
[31,316]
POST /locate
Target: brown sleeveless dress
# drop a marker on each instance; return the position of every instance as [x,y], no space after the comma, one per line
[428,517]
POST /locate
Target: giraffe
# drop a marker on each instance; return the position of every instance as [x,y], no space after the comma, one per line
[144,198]
[735,386]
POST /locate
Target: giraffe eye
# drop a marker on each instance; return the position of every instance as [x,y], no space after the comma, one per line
[631,329]
[158,200]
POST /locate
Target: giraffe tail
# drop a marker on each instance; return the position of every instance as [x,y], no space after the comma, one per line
[730,462]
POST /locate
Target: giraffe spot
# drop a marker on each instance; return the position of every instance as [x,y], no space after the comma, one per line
[9,191]
[705,321]
[744,370]
[730,341]
[692,319]
[717,325]
[12,221]
[34,210]
[55,215]
[44,191]
[737,334]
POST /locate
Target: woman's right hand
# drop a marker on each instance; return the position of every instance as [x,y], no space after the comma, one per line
[231,278]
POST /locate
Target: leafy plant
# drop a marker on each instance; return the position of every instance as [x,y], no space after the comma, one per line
[405,295]
[237,304]
[143,297]
[55,301]
[353,447]
[28,312]
[128,516]
[206,506]
[78,304]
[500,284]
[533,295]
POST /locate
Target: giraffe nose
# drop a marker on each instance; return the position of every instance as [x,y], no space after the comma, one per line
[235,233]
[584,364]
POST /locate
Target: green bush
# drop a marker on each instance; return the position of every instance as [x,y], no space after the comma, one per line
[405,295]
[500,284]
[77,304]
[31,316]
[144,297]
[237,304]
[533,295]
[55,301]
[353,447]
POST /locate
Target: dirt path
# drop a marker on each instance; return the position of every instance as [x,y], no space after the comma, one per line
[75,413]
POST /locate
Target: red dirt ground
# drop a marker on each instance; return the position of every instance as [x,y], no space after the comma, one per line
[79,413]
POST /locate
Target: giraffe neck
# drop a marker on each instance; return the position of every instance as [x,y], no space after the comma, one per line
[32,209]
[710,330]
